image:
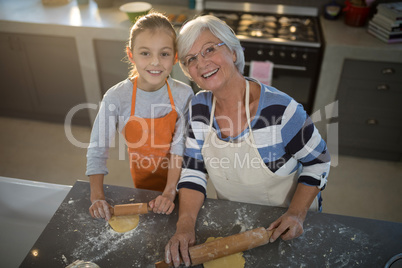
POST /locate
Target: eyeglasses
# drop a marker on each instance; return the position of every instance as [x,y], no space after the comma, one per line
[206,52]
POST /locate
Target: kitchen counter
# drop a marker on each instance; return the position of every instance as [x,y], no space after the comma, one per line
[328,240]
[26,207]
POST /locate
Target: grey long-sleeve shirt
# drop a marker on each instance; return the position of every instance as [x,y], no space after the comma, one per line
[115,110]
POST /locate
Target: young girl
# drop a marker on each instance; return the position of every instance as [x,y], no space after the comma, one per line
[149,109]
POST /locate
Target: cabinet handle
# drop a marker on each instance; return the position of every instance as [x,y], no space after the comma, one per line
[382,87]
[388,71]
[372,122]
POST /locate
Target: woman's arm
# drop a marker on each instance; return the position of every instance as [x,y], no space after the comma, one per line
[305,144]
[189,206]
[290,224]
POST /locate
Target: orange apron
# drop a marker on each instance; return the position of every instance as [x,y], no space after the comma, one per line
[148,141]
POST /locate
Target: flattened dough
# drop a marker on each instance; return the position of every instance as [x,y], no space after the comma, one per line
[232,261]
[124,224]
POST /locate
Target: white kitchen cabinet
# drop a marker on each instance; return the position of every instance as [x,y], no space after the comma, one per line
[42,77]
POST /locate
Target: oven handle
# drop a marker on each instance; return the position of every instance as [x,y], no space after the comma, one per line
[285,67]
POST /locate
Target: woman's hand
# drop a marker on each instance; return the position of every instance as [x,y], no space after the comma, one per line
[178,245]
[289,226]
[163,204]
[100,209]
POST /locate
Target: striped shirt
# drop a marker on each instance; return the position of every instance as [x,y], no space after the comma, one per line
[285,136]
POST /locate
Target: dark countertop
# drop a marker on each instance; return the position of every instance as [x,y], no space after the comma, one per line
[328,241]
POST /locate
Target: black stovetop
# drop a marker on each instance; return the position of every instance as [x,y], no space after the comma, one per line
[271,27]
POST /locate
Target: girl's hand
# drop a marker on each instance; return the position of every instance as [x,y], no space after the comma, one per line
[163,204]
[289,226]
[100,209]
[178,246]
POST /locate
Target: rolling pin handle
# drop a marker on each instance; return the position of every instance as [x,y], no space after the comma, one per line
[270,233]
[130,209]
[149,208]
[163,264]
[239,242]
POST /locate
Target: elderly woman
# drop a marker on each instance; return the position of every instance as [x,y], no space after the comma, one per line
[255,143]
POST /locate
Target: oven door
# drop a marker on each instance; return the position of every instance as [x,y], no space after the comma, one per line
[295,69]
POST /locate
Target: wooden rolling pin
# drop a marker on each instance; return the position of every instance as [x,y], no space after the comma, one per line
[130,209]
[225,246]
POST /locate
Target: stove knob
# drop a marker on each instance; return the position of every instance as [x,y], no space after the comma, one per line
[304,56]
[282,54]
[271,53]
[260,52]
[293,55]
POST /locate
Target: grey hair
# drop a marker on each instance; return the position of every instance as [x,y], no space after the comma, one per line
[191,31]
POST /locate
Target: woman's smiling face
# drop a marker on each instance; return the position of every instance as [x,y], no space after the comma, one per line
[214,72]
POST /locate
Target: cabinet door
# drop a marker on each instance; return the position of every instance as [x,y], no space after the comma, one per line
[111,62]
[16,89]
[369,96]
[56,74]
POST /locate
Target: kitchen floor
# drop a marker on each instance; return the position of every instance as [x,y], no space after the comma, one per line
[48,152]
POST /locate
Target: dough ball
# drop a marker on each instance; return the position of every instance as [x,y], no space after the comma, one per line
[122,224]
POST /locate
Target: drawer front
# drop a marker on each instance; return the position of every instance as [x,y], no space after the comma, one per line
[365,117]
[372,70]
[375,137]
[356,96]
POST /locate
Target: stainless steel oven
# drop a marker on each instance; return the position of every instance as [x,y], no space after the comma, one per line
[288,36]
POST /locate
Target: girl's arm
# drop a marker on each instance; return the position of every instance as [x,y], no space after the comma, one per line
[173,175]
[103,131]
[99,208]
[165,203]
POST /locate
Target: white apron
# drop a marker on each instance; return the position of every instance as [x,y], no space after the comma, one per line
[239,174]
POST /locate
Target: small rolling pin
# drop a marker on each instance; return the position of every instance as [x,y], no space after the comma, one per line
[225,246]
[130,209]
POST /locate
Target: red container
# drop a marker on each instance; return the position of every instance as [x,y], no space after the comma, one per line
[355,15]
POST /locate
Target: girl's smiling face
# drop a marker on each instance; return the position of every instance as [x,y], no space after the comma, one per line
[154,56]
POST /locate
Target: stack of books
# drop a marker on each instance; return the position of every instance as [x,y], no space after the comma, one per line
[386,24]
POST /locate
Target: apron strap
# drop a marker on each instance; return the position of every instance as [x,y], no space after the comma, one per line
[133,97]
[247,107]
[170,96]
[135,94]
[211,118]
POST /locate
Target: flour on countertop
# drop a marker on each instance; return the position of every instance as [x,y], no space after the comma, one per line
[336,237]
[98,245]
[101,242]
[64,259]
